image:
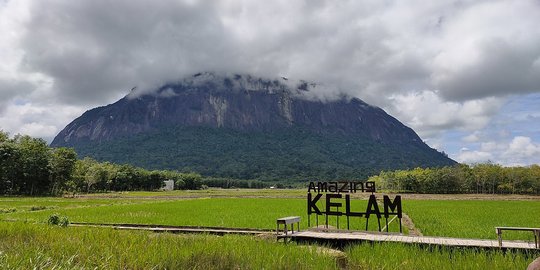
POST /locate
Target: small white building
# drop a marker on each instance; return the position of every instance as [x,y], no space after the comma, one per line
[169,185]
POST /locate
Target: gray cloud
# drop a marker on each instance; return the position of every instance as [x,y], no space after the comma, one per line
[436,65]
[11,90]
[500,69]
[94,50]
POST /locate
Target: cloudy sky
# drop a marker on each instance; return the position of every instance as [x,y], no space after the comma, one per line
[465,75]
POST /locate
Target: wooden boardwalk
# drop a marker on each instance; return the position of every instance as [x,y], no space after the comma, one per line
[177,229]
[321,235]
[346,236]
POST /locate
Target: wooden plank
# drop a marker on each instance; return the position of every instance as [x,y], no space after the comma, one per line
[289,220]
[451,242]
[422,240]
[442,241]
[399,238]
[518,228]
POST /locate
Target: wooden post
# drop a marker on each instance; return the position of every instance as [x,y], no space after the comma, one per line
[499,236]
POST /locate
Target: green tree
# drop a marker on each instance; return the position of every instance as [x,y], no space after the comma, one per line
[9,165]
[62,165]
[191,180]
[34,163]
[488,177]
[4,136]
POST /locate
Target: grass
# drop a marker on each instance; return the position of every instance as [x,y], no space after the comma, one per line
[401,256]
[473,219]
[24,245]
[223,212]
[41,203]
[466,219]
[30,246]
[213,192]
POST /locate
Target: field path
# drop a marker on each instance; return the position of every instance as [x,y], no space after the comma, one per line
[413,231]
[293,194]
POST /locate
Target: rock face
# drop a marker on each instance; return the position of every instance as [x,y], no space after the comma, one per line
[241,103]
[250,128]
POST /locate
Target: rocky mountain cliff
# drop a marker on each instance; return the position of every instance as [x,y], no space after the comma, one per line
[243,107]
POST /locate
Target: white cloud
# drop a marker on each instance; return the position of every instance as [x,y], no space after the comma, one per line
[522,147]
[438,66]
[43,121]
[429,114]
[491,146]
[473,137]
[38,130]
[471,157]
[519,151]
[370,49]
[485,52]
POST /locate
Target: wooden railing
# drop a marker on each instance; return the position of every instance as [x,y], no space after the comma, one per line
[535,231]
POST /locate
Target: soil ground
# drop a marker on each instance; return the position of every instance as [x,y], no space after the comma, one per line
[294,193]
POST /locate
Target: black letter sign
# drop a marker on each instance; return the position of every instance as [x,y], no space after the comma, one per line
[312,204]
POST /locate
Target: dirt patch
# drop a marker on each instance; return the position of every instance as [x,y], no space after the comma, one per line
[413,231]
[180,197]
[453,197]
[480,197]
[302,195]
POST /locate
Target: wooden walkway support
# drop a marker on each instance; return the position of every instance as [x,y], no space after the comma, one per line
[535,231]
[327,235]
[285,222]
[343,236]
[177,229]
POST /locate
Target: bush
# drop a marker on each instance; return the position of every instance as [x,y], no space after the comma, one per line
[37,208]
[58,220]
[7,210]
[64,222]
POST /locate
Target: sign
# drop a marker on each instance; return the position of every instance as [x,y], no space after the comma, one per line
[337,202]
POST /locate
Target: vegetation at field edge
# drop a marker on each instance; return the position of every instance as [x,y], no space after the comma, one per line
[455,218]
[401,256]
[473,219]
[28,246]
[222,212]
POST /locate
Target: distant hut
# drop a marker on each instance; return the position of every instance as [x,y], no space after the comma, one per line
[168,185]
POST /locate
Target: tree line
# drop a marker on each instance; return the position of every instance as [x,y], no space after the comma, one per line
[28,166]
[487,178]
[90,175]
[228,183]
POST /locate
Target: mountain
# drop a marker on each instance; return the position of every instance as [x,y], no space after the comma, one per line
[247,127]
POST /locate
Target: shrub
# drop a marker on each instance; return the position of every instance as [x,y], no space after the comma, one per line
[64,222]
[58,220]
[7,210]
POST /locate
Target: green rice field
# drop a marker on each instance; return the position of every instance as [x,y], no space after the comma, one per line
[27,242]
[473,219]
[467,219]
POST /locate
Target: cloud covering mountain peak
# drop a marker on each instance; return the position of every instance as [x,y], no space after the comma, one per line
[78,54]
